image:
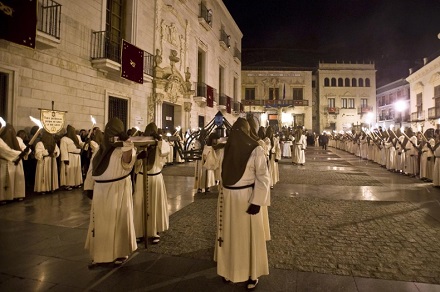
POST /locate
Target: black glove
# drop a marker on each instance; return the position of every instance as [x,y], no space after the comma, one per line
[276,160]
[253,209]
[123,136]
[66,162]
[88,194]
[142,155]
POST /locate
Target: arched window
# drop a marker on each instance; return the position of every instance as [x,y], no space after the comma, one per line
[326,82]
[361,82]
[353,82]
[340,82]
[347,82]
[334,82]
[367,82]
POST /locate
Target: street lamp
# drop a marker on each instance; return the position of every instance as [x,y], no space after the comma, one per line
[400,107]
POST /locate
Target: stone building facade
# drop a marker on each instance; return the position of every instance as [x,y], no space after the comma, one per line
[76,63]
[347,95]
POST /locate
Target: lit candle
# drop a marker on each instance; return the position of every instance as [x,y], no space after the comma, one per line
[137,130]
[93,125]
[3,123]
[40,125]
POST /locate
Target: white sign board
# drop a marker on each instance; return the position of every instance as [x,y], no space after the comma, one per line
[53,121]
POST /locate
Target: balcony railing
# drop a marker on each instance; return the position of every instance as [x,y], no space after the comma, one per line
[222,100]
[225,39]
[433,113]
[418,116]
[332,110]
[402,118]
[49,18]
[237,54]
[364,109]
[275,103]
[205,14]
[104,48]
[386,117]
[148,63]
[236,106]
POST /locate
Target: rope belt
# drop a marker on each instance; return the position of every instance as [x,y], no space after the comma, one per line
[151,174]
[112,180]
[74,153]
[239,188]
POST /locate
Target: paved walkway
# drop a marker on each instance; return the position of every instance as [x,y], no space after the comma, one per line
[342,207]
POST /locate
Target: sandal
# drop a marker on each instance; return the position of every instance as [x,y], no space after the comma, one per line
[156,240]
[120,261]
[251,284]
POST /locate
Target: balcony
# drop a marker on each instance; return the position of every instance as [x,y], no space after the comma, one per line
[201,94]
[433,113]
[364,109]
[236,108]
[106,53]
[418,116]
[386,117]
[402,118]
[332,110]
[225,40]
[205,17]
[275,102]
[237,55]
[222,102]
[148,63]
[48,24]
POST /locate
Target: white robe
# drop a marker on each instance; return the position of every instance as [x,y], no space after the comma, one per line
[299,149]
[70,175]
[158,216]
[12,183]
[111,232]
[46,175]
[204,178]
[243,252]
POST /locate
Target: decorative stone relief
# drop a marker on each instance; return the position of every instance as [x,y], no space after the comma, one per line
[174,88]
[187,106]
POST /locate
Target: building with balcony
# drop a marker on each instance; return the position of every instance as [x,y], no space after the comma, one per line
[346,95]
[425,94]
[393,104]
[281,98]
[188,49]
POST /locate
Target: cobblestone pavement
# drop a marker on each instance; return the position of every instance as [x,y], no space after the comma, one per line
[338,223]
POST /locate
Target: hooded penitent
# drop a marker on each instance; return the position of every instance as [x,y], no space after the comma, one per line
[262,132]
[10,137]
[98,137]
[253,128]
[48,141]
[102,158]
[71,133]
[151,130]
[237,152]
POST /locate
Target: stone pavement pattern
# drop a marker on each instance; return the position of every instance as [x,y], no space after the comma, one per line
[362,226]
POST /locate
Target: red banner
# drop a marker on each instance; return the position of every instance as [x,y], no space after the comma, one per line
[132,64]
[228,104]
[209,96]
[18,21]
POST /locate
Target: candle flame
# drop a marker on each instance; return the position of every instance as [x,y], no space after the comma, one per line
[93,120]
[2,122]
[137,128]
[37,122]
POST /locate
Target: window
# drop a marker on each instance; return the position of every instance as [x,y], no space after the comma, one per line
[344,103]
[437,91]
[334,82]
[249,93]
[221,81]
[340,82]
[113,28]
[118,108]
[361,82]
[297,94]
[347,82]
[331,102]
[3,94]
[326,82]
[351,103]
[353,82]
[235,89]
[364,102]
[274,93]
[367,82]
[419,104]
[387,99]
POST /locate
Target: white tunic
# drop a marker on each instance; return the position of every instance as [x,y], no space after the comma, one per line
[46,175]
[158,217]
[70,175]
[243,253]
[204,178]
[299,147]
[12,183]
[111,232]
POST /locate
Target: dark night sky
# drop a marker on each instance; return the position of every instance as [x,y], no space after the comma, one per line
[395,34]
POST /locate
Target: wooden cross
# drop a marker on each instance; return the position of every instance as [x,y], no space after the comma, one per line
[220,240]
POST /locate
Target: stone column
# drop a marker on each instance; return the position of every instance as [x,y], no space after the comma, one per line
[158,100]
[187,108]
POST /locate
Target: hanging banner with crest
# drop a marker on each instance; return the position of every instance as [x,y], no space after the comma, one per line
[132,64]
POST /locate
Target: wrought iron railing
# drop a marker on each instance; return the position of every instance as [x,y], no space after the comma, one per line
[364,109]
[49,18]
[105,48]
[433,113]
[225,38]
[222,99]
[148,63]
[206,13]
[237,54]
[418,116]
[332,110]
